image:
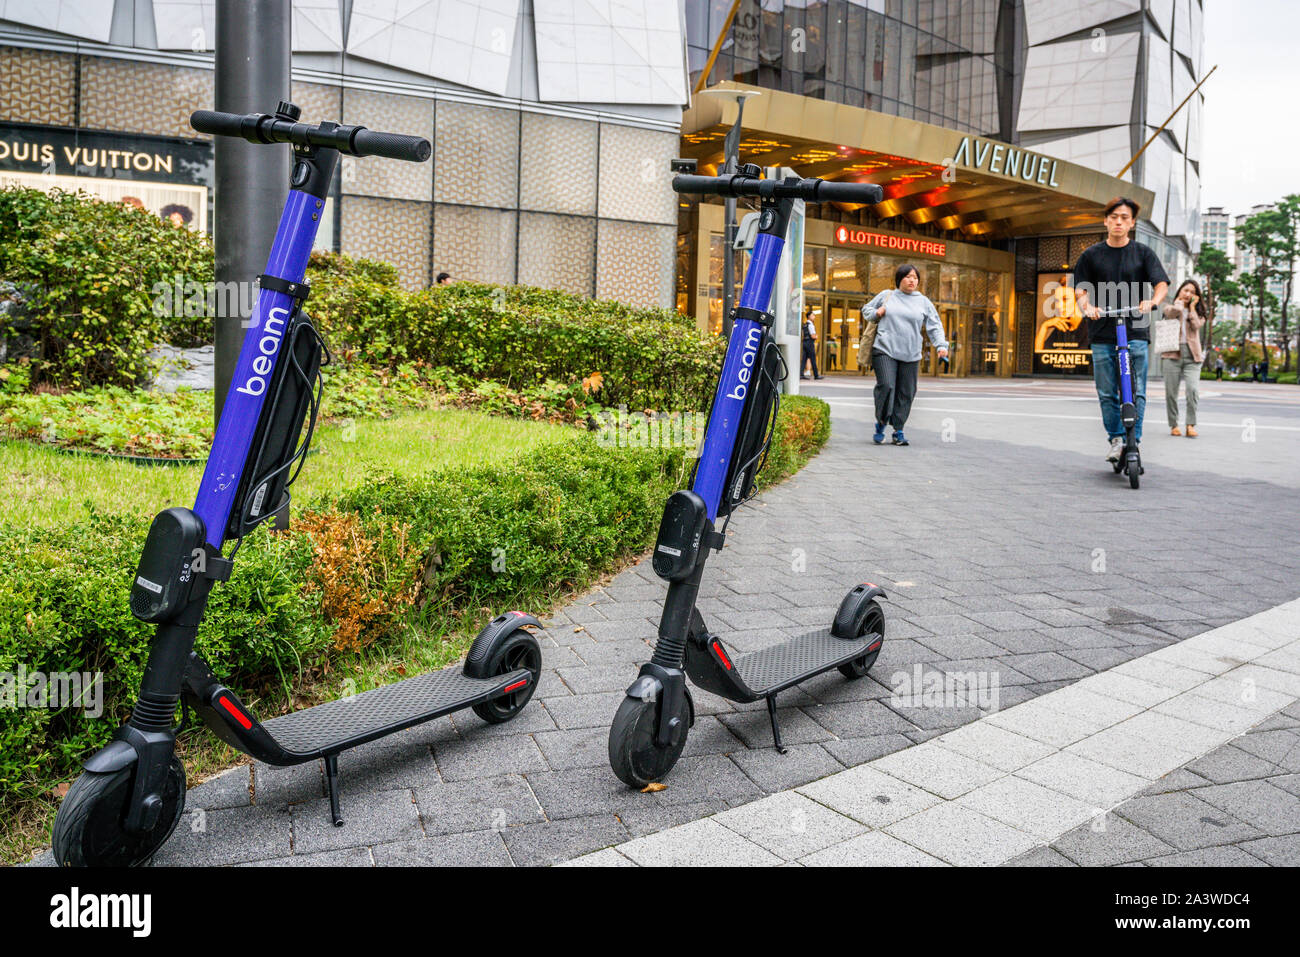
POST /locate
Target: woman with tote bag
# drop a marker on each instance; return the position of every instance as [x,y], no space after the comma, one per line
[900,313]
[1181,360]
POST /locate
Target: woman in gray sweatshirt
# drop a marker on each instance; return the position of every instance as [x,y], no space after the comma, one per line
[896,355]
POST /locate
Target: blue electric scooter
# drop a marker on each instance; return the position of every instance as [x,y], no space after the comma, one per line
[649,731]
[130,797]
[1130,460]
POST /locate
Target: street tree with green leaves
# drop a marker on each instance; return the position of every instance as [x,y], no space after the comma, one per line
[1215,269]
[1261,235]
[1289,252]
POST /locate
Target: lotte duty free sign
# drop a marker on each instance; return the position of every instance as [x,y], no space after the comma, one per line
[852,236]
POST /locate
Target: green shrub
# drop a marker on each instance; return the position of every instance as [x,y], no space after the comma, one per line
[88,270]
[522,337]
[802,428]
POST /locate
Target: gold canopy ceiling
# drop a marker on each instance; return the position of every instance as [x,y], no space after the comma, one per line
[978,198]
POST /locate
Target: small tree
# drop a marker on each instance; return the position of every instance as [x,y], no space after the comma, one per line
[1289,251]
[1261,234]
[1215,269]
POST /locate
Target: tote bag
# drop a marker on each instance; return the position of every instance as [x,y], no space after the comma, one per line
[870,325]
[1166,335]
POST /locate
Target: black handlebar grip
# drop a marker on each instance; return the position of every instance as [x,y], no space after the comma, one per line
[217,124]
[866,193]
[702,185]
[396,146]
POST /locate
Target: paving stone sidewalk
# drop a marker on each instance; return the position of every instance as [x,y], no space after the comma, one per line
[1091,772]
[1238,806]
[1033,567]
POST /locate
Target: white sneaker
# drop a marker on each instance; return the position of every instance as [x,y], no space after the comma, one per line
[1116,449]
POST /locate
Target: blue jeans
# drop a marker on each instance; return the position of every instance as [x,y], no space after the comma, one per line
[1105,373]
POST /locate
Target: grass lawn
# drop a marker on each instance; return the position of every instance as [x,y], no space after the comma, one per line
[46,487]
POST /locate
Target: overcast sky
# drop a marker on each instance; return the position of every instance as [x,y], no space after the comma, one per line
[1251,138]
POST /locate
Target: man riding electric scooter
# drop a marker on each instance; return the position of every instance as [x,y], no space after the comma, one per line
[1113,275]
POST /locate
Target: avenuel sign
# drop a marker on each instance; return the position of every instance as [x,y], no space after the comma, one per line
[849,236]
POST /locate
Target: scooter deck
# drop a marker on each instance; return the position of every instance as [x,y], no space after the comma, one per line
[769,671]
[787,663]
[766,672]
[348,722]
[334,726]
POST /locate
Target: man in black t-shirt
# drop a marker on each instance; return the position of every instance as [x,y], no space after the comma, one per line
[1119,273]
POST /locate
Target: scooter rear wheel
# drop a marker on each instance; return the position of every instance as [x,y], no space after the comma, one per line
[519,650]
[874,622]
[90,831]
[633,754]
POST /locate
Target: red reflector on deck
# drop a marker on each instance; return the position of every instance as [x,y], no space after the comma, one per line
[238,715]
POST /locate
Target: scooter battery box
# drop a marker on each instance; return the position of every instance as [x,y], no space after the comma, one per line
[165,574]
[680,533]
[262,488]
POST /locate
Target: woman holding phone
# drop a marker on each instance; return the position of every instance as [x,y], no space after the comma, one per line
[1184,364]
[902,312]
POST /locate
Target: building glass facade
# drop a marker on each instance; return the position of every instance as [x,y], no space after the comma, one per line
[1086,83]
[920,59]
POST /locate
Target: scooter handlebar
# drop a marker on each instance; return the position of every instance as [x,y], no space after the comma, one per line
[809,190]
[833,192]
[398,146]
[352,140]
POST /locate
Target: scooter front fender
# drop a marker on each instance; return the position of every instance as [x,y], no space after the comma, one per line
[646,688]
[114,756]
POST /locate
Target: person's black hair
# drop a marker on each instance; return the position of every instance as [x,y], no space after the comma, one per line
[441,277]
[1119,201]
[187,214]
[901,273]
[1200,299]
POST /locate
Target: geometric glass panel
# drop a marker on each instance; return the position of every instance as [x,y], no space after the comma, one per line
[465,42]
[592,51]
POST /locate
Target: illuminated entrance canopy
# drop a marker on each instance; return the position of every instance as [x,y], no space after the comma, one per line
[853,236]
[971,187]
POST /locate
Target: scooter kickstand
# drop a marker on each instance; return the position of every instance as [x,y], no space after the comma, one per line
[332,778]
[776,728]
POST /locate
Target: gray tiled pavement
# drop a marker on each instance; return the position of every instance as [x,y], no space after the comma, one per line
[1031,564]
[1237,806]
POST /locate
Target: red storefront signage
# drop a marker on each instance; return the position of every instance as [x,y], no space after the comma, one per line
[850,236]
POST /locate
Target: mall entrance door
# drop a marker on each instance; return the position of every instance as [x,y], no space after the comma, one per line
[985,350]
[841,327]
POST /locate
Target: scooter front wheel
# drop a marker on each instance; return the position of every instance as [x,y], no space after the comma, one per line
[1134,470]
[634,755]
[90,830]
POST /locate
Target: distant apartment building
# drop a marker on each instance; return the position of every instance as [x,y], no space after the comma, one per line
[1216,231]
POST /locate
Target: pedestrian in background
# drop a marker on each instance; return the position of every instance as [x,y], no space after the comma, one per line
[444,279]
[809,337]
[1184,363]
[1218,368]
[902,312]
